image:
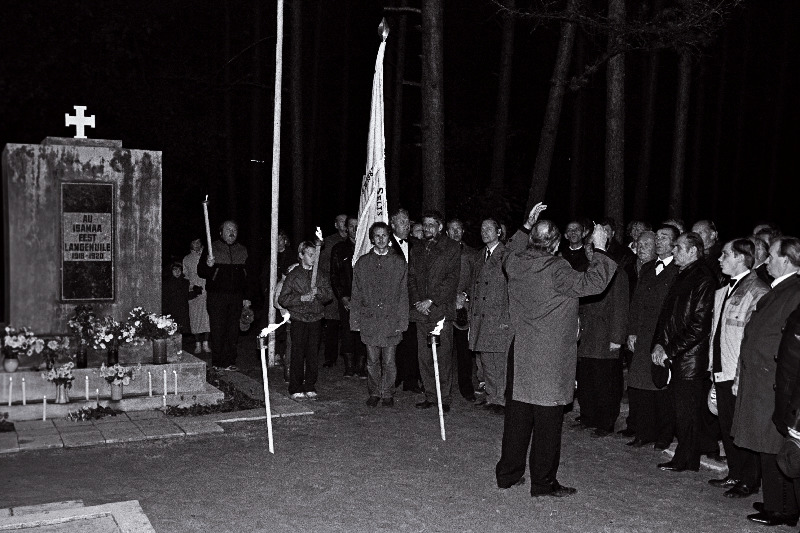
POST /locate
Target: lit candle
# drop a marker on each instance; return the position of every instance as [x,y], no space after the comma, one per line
[175,378]
[97,397]
[150,383]
[87,388]
[208,231]
[10,389]
[165,382]
[24,400]
[164,400]
[44,407]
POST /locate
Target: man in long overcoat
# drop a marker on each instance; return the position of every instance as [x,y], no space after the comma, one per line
[753,426]
[543,292]
[489,322]
[379,310]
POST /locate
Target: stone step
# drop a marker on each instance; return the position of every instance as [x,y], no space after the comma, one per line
[191,377]
[131,401]
[122,517]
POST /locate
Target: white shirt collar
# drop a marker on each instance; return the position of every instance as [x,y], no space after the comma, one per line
[666,261]
[491,250]
[785,276]
[740,276]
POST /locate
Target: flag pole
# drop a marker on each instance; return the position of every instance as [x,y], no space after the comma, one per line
[276,175]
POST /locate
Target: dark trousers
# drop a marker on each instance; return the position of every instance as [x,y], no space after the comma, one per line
[305,356]
[655,415]
[689,402]
[407,362]
[743,464]
[781,493]
[224,311]
[710,433]
[536,426]
[444,356]
[599,391]
[630,420]
[465,359]
[330,336]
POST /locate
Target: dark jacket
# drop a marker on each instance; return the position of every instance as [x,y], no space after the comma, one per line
[342,268]
[298,283]
[711,259]
[604,319]
[787,377]
[434,274]
[684,324]
[229,273]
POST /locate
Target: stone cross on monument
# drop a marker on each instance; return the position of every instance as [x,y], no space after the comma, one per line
[80,121]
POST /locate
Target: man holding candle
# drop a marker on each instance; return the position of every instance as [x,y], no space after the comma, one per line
[226,284]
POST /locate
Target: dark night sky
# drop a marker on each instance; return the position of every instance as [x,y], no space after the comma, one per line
[154,73]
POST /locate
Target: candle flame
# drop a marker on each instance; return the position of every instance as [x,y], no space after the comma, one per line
[438,329]
[318,233]
[272,327]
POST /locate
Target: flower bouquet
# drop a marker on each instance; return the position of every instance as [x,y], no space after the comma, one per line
[62,377]
[108,334]
[54,349]
[118,374]
[81,325]
[151,325]
[18,342]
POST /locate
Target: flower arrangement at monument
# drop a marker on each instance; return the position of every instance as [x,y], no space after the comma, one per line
[17,342]
[62,377]
[117,376]
[81,326]
[108,334]
[54,349]
[151,325]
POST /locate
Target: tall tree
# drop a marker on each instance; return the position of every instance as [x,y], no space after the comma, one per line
[679,137]
[344,120]
[396,132]
[257,174]
[433,178]
[576,163]
[615,117]
[503,99]
[552,113]
[296,105]
[230,180]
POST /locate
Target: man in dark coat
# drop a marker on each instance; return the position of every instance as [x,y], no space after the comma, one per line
[753,425]
[543,292]
[354,352]
[681,338]
[406,356]
[712,248]
[433,272]
[331,324]
[571,248]
[787,385]
[226,284]
[651,406]
[463,356]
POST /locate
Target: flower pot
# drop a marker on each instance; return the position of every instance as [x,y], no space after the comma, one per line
[10,363]
[62,395]
[116,392]
[113,356]
[81,356]
[159,351]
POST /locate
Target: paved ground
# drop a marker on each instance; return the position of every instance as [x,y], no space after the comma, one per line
[354,468]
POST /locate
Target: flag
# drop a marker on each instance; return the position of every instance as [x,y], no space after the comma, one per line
[372,206]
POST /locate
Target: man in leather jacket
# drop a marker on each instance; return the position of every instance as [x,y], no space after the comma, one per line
[681,338]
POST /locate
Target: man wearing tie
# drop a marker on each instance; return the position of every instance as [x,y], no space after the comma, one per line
[406,357]
[733,305]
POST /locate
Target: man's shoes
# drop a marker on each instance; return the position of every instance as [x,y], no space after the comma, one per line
[670,466]
[557,491]
[627,432]
[661,445]
[424,404]
[600,433]
[637,443]
[311,395]
[740,490]
[298,396]
[715,456]
[232,368]
[387,402]
[372,401]
[768,518]
[520,481]
[725,483]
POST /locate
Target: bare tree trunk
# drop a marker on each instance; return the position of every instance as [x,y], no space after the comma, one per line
[679,140]
[716,161]
[503,99]
[296,99]
[698,154]
[552,114]
[615,122]
[396,146]
[576,161]
[230,180]
[650,90]
[344,131]
[433,178]
[256,147]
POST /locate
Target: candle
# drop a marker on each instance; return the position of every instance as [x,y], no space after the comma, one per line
[87,388]
[164,400]
[97,397]
[149,383]
[208,229]
[165,382]
[175,376]
[44,407]
[10,389]
[24,400]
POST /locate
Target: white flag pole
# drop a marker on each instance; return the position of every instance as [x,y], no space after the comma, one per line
[434,341]
[262,337]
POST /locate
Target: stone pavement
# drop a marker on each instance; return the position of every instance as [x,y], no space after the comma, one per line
[62,517]
[132,426]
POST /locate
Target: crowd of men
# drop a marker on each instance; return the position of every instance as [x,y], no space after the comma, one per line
[707,330]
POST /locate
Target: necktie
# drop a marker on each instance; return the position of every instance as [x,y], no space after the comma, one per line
[488,255]
[659,266]
[400,241]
